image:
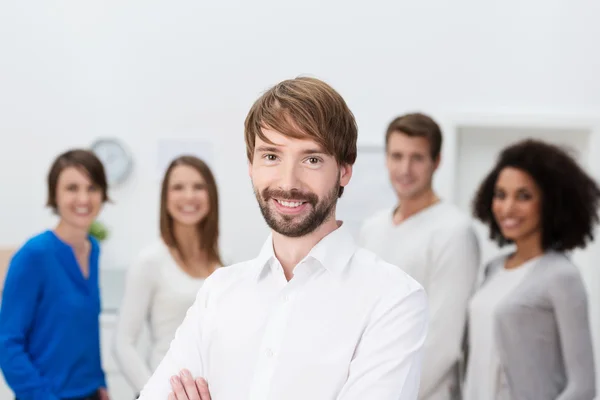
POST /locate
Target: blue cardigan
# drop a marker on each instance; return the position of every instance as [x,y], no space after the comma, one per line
[49,322]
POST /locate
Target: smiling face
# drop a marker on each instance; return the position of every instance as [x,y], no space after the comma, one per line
[410,165]
[296,183]
[517,205]
[78,199]
[187,195]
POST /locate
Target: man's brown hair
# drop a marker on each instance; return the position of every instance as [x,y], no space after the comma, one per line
[208,228]
[305,108]
[84,160]
[417,125]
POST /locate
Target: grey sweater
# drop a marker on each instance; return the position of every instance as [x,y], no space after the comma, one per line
[543,333]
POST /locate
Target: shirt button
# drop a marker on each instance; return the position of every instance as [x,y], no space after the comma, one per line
[269,353]
[286,298]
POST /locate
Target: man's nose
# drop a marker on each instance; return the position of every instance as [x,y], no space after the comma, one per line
[404,165]
[289,178]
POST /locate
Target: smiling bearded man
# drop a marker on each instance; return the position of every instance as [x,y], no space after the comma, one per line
[313,316]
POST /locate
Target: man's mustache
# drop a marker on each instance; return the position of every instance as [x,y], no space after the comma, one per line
[293,194]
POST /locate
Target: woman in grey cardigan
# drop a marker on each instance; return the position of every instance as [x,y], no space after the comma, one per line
[529,333]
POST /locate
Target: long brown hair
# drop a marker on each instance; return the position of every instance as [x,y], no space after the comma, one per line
[208,228]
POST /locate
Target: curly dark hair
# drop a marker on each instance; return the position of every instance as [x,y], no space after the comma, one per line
[569,202]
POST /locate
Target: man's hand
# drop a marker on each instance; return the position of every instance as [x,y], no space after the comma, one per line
[103,394]
[186,388]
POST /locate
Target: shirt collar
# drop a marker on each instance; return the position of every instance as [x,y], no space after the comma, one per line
[333,252]
[265,257]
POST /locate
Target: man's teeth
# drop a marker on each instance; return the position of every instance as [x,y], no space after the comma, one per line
[291,204]
[82,210]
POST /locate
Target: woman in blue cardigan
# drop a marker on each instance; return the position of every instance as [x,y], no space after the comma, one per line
[49,316]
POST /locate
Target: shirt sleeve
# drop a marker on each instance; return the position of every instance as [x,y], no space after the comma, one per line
[22,291]
[569,298]
[134,310]
[454,258]
[185,350]
[387,362]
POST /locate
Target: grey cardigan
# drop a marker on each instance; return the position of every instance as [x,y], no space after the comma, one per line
[543,333]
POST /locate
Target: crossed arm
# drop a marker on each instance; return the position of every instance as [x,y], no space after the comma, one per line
[386,364]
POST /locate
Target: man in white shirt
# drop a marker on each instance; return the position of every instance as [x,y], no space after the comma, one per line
[430,239]
[313,316]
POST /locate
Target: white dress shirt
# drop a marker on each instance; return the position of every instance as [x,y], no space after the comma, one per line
[439,248]
[346,326]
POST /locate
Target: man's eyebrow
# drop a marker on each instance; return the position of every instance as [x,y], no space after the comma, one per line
[267,149]
[314,151]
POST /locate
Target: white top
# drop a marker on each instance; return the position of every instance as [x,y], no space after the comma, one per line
[157,293]
[439,248]
[485,379]
[347,326]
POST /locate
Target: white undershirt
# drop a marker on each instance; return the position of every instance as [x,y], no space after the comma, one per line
[439,248]
[158,294]
[484,379]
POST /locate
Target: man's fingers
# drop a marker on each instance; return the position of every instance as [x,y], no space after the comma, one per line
[202,386]
[184,386]
[178,389]
[189,385]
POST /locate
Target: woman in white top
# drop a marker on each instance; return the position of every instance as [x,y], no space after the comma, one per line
[162,284]
[528,325]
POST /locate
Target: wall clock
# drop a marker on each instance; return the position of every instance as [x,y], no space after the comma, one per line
[116,159]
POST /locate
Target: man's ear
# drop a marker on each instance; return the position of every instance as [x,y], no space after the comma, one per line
[345,174]
[436,162]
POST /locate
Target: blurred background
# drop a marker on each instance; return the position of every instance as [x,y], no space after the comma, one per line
[161,78]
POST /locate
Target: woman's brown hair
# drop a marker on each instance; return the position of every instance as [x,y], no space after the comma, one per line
[208,228]
[84,160]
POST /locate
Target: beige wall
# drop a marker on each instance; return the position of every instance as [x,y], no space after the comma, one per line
[5,255]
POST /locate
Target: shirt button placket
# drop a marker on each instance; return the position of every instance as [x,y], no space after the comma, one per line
[273,337]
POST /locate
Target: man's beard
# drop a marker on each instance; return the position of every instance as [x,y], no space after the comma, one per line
[296,225]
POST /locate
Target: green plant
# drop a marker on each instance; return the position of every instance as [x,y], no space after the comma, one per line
[98,230]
